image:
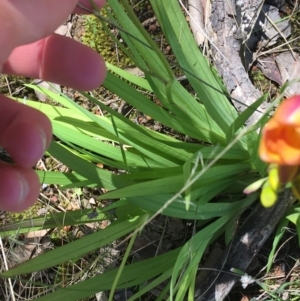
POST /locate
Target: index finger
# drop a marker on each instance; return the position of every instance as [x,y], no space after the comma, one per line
[24,22]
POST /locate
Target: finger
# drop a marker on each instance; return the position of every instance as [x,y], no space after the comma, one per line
[24,25]
[25,22]
[58,59]
[19,188]
[25,132]
[87,4]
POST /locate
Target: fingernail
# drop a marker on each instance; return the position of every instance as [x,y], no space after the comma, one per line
[44,139]
[23,188]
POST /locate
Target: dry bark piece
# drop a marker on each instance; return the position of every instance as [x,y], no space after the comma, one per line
[196,10]
[289,66]
[270,69]
[229,31]
[282,68]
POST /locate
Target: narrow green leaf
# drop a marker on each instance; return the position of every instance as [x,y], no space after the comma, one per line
[59,178]
[185,107]
[294,217]
[133,274]
[182,102]
[101,148]
[136,80]
[154,145]
[191,253]
[141,40]
[176,182]
[86,169]
[200,76]
[145,105]
[281,228]
[70,119]
[152,285]
[240,121]
[253,141]
[196,212]
[75,249]
[61,98]
[121,209]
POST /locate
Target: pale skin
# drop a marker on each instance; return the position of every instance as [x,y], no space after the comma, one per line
[29,48]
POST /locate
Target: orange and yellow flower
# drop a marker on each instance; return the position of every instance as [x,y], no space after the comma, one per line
[280,146]
[280,142]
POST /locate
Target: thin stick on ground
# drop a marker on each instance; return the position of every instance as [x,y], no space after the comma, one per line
[6,268]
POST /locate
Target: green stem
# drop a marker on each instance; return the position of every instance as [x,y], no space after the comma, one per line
[120,270]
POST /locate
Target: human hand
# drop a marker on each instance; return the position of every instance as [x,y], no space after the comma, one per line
[29,48]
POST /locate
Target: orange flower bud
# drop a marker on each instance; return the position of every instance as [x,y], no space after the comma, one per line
[280,141]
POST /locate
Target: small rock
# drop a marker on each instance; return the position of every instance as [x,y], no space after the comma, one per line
[101,296]
[49,86]
[64,29]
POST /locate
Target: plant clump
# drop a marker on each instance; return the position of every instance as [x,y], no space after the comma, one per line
[96,37]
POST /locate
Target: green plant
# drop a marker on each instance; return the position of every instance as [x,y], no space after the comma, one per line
[103,41]
[195,181]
